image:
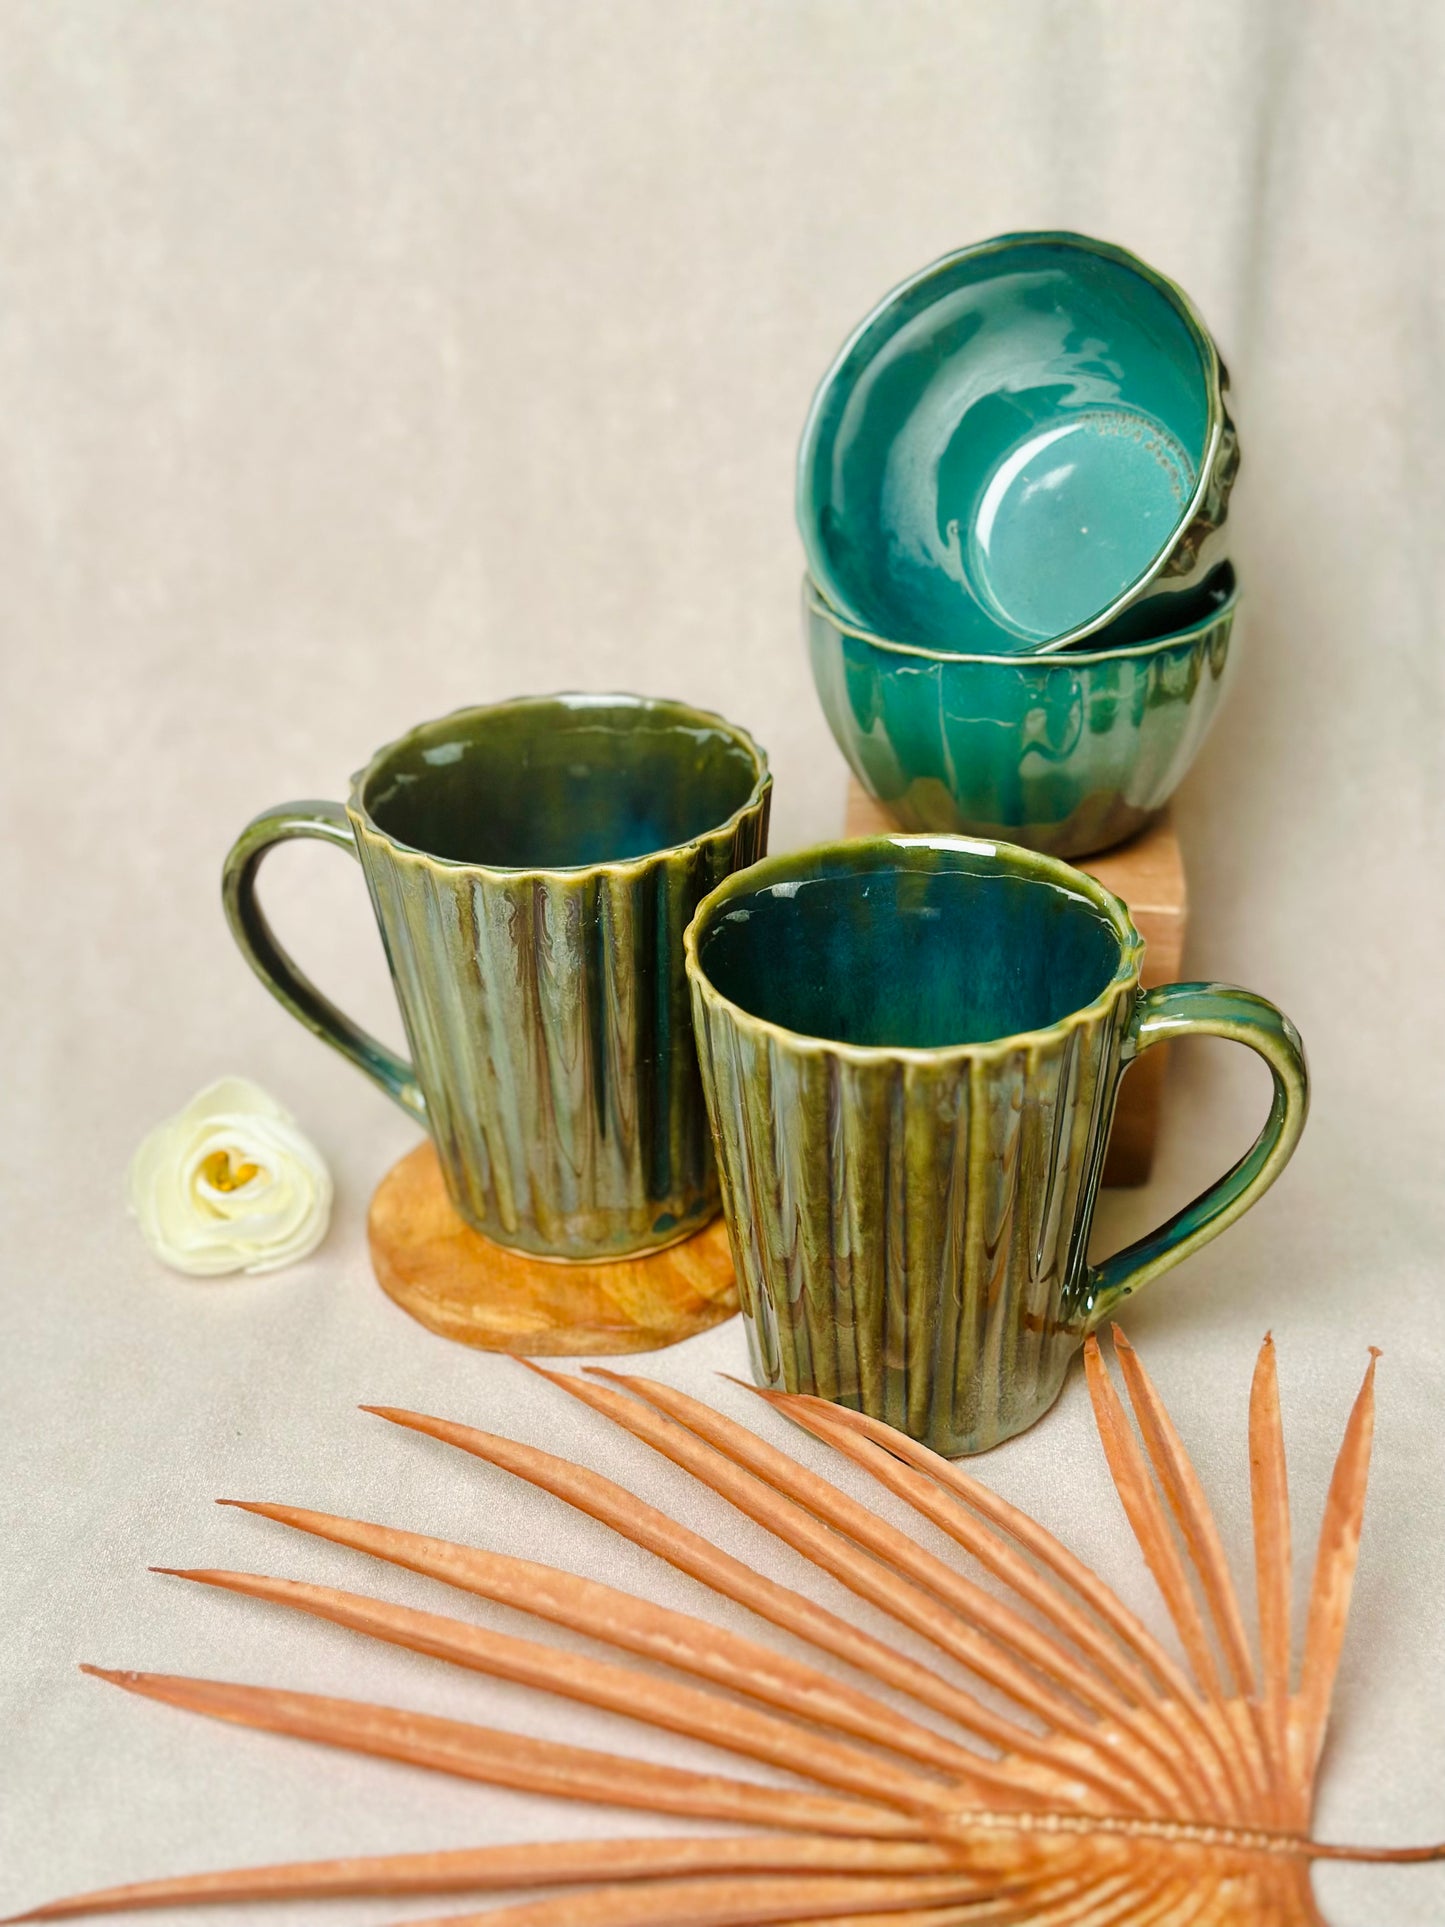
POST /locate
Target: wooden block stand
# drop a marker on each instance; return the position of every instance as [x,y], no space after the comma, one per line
[1148,873]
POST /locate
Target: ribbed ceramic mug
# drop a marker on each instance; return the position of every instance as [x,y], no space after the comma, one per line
[533,865]
[911,1047]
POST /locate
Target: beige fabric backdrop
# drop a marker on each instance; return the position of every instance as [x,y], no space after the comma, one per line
[359,361]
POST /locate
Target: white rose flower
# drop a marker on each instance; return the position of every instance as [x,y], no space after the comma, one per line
[230,1184]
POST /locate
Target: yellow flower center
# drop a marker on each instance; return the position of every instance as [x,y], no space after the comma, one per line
[222,1175]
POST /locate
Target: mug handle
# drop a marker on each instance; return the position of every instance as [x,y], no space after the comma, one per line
[1210,1010]
[289,985]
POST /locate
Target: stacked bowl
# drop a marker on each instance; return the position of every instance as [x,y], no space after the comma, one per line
[1012,490]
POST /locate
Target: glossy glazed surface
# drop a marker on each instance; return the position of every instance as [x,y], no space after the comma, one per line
[1066,753]
[560,782]
[912,958]
[544,1001]
[909,1192]
[1014,445]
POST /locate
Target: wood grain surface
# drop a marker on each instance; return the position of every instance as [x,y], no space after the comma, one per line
[462,1285]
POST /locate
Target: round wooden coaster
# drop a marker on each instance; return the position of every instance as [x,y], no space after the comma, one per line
[462,1285]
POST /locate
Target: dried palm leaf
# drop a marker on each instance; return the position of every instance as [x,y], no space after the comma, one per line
[1100,1783]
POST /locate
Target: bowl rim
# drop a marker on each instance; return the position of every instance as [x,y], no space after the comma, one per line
[815,603]
[1214,375]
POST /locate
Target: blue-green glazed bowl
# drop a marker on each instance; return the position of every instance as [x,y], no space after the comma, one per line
[1066,754]
[1017,444]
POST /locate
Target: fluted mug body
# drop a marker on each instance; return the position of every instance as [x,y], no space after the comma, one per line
[911,1048]
[533,866]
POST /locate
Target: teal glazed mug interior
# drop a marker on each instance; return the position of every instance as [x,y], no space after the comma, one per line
[1066,753]
[533,866]
[911,1048]
[1018,443]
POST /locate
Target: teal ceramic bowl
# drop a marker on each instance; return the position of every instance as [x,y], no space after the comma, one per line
[1064,753]
[1018,443]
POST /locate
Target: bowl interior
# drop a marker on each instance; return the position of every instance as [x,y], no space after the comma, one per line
[909,946]
[1006,446]
[1156,618]
[560,782]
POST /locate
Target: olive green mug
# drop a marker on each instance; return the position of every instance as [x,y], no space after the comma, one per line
[533,865]
[911,1047]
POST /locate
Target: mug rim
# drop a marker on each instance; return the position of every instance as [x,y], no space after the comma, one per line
[1020,860]
[358,810]
[1211,364]
[815,602]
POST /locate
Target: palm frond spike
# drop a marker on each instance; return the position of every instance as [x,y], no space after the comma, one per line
[1101,1783]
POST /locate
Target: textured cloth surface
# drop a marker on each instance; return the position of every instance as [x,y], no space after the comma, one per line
[358,362]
